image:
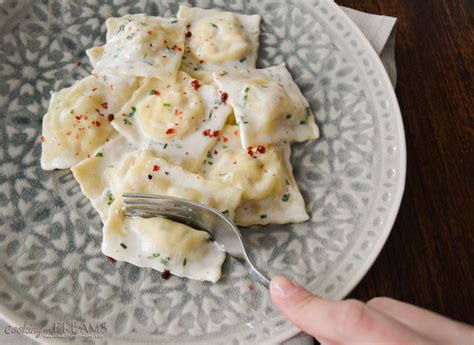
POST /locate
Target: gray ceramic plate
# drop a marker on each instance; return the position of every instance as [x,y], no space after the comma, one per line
[51,266]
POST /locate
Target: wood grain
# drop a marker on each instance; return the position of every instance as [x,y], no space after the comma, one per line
[428,257]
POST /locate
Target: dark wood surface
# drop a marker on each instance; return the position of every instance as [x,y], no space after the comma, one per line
[426,260]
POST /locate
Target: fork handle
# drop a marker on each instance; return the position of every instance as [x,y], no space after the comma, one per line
[256,275]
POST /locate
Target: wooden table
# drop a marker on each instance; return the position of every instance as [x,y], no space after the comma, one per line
[426,258]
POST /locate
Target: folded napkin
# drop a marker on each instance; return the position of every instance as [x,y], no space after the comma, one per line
[380,32]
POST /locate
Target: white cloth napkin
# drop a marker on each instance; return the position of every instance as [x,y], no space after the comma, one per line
[380,32]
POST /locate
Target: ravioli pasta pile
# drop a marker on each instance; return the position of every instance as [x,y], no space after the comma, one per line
[175,106]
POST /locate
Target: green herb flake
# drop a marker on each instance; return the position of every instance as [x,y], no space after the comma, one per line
[246,94]
[165,146]
[174,21]
[185,261]
[134,110]
[121,28]
[127,122]
[123,246]
[242,59]
[151,92]
[129,37]
[302,122]
[209,154]
[263,216]
[214,25]
[71,112]
[288,116]
[111,198]
[226,213]
[167,105]
[165,261]
[285,197]
[99,154]
[210,114]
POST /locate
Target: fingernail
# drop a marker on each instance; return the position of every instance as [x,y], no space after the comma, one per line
[282,286]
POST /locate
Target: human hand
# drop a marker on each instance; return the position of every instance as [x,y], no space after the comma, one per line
[380,321]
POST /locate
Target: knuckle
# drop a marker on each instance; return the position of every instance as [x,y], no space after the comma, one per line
[379,301]
[353,317]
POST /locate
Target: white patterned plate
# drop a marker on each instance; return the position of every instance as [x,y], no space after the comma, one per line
[51,266]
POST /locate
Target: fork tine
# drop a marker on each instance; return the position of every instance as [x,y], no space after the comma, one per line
[154,209]
[147,196]
[134,202]
[152,214]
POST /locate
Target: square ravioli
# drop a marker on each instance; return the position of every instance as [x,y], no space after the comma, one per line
[160,243]
[140,45]
[270,194]
[178,121]
[91,173]
[218,40]
[268,106]
[79,119]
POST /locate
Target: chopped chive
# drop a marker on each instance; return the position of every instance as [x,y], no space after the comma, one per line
[285,197]
[110,197]
[263,216]
[210,114]
[125,121]
[165,146]
[185,261]
[134,110]
[174,21]
[209,154]
[121,28]
[123,246]
[167,105]
[99,154]
[242,59]
[165,261]
[214,25]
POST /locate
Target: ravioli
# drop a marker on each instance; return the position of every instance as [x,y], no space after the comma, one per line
[270,194]
[140,45]
[178,121]
[159,243]
[79,119]
[91,173]
[268,106]
[218,40]
[176,107]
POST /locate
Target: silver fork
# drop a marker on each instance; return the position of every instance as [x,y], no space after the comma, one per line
[198,216]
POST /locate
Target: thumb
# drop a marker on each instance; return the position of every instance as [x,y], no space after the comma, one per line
[294,302]
[337,321]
